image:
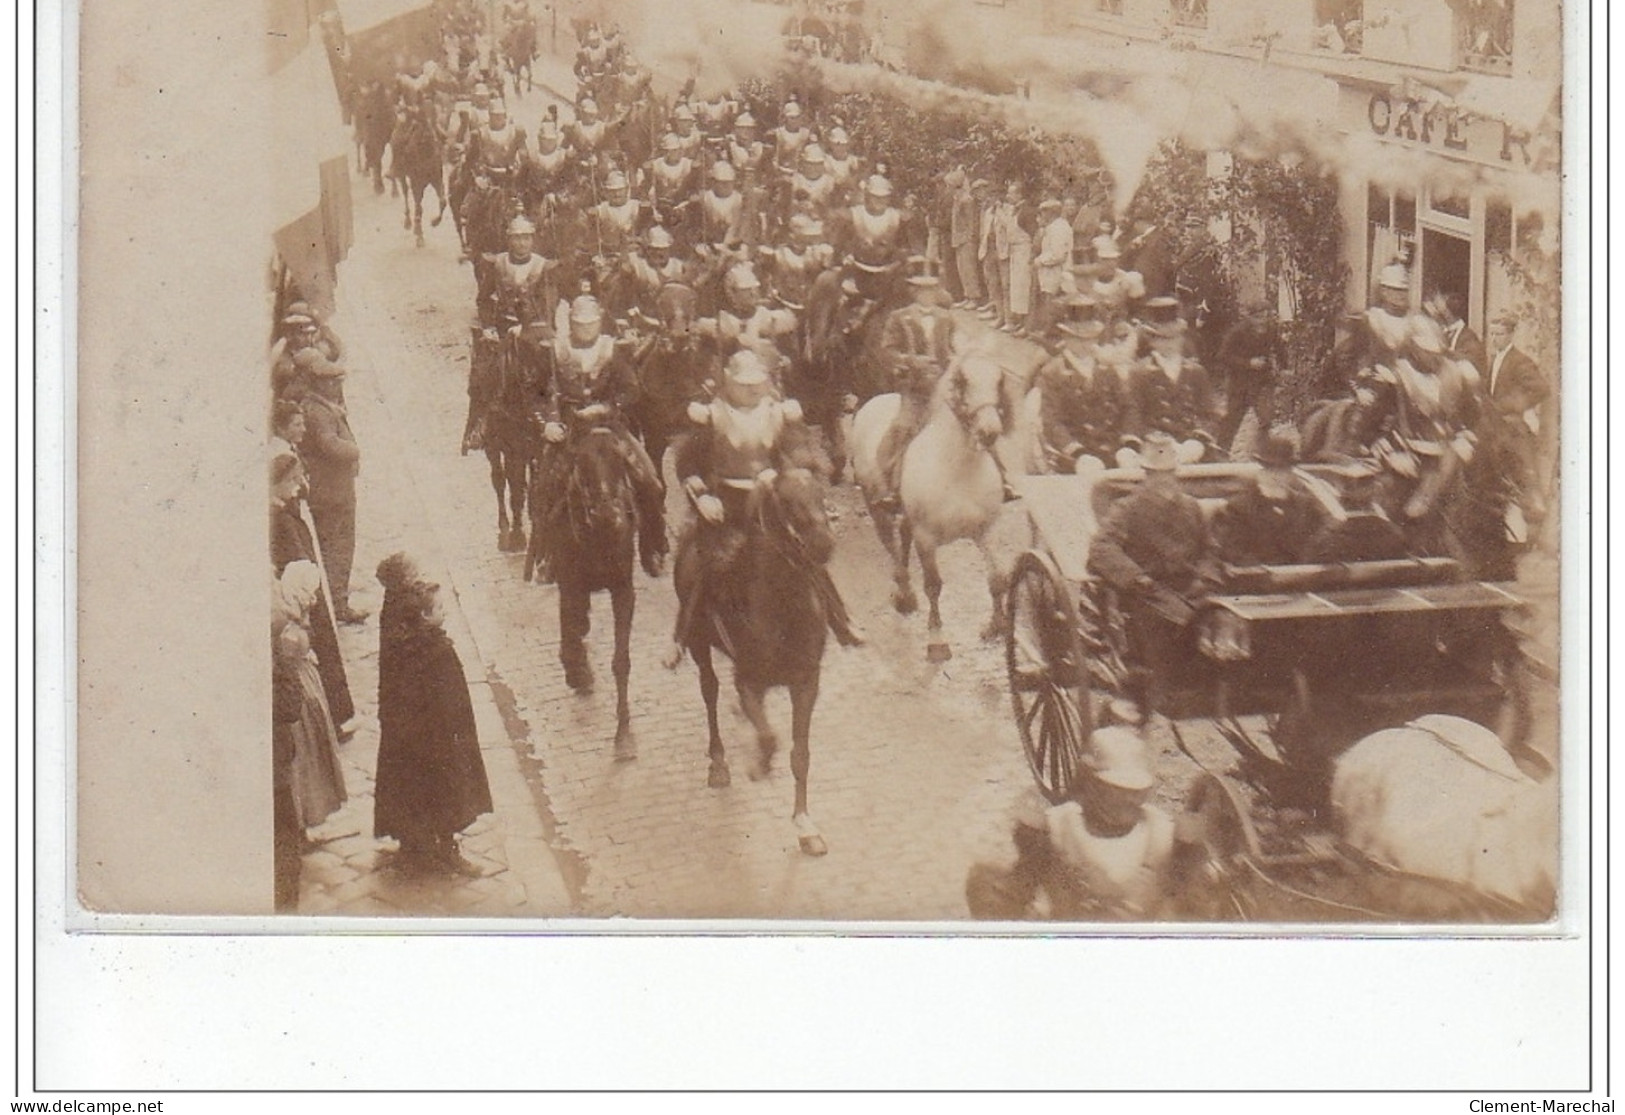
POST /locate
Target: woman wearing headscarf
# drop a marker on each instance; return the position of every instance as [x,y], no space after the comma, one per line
[316,780]
[292,540]
[431,779]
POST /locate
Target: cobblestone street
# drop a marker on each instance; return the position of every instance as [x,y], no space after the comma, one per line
[914,765]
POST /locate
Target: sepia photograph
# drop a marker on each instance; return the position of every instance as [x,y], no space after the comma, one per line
[1021,464]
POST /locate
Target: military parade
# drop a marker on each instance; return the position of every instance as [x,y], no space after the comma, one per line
[719,338]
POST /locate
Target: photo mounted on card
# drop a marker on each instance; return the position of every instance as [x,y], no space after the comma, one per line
[970,466]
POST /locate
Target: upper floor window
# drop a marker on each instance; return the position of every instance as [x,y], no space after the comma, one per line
[1109,7]
[1340,25]
[1188,13]
[1484,35]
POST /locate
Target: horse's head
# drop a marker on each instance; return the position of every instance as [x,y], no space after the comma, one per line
[980,395]
[676,305]
[598,484]
[793,515]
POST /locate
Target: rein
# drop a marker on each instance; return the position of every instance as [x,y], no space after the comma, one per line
[775,528]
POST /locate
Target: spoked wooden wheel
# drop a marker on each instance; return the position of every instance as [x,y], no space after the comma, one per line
[1048,678]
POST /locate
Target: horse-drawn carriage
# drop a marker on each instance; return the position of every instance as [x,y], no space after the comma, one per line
[1291,665]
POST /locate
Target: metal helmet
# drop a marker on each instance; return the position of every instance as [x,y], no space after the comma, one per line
[741,276]
[585,310]
[745,120]
[670,142]
[482,90]
[812,153]
[587,105]
[497,107]
[659,238]
[1394,277]
[792,110]
[724,171]
[1118,757]
[746,368]
[616,181]
[683,112]
[877,186]
[838,135]
[521,226]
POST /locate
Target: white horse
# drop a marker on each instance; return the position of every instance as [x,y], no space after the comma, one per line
[981,428]
[1441,798]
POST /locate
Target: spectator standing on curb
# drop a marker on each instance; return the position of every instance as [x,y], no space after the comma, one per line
[332,459]
[431,778]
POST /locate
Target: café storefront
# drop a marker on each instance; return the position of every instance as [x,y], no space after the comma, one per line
[1449,184]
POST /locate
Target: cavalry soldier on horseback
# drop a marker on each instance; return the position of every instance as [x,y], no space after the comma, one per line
[919,342]
[499,149]
[593,56]
[793,268]
[652,269]
[687,131]
[589,133]
[747,323]
[547,168]
[812,189]
[873,238]
[1084,398]
[844,167]
[743,437]
[722,210]
[790,137]
[671,179]
[746,151]
[516,305]
[593,386]
[619,218]
[716,115]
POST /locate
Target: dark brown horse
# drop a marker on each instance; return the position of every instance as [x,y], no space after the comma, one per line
[771,620]
[840,354]
[505,381]
[418,165]
[672,370]
[592,533]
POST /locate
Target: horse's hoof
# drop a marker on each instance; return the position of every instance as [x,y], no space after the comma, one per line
[808,836]
[938,653]
[420,239]
[407,224]
[516,540]
[905,603]
[626,747]
[719,778]
[435,221]
[579,678]
[992,632]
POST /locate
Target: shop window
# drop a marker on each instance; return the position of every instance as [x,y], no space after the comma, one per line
[1484,35]
[1340,25]
[1188,13]
[1448,204]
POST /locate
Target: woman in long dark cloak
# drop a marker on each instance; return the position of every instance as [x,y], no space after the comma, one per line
[431,779]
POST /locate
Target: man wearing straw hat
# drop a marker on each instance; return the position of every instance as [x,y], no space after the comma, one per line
[1154,548]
